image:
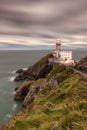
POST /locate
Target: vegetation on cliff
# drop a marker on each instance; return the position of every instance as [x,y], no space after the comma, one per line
[56,102]
[64,107]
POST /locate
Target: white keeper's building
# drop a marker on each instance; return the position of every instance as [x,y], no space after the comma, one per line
[62,56]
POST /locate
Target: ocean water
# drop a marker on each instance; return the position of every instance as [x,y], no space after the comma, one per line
[10,61]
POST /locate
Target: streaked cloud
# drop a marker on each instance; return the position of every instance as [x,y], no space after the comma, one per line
[40,22]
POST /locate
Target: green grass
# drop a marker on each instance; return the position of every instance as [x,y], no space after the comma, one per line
[44,60]
[82,68]
[56,70]
[65,105]
[60,74]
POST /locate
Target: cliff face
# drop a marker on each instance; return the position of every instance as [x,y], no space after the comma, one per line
[37,67]
[35,71]
[82,65]
[22,91]
[56,101]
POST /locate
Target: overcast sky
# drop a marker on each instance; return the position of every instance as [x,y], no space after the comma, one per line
[40,22]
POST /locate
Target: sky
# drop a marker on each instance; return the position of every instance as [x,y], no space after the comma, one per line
[27,24]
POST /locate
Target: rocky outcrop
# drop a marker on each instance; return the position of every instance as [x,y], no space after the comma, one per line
[44,72]
[19,71]
[25,75]
[32,89]
[32,94]
[22,91]
[36,89]
[39,69]
[28,91]
[38,66]
[52,83]
[82,65]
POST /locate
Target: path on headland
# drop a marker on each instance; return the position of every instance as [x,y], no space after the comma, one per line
[80,72]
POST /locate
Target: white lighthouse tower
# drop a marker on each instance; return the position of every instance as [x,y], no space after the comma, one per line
[58,48]
[58,45]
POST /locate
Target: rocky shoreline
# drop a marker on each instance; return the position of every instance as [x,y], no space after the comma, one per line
[30,75]
[27,90]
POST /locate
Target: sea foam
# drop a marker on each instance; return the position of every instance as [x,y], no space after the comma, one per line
[13,72]
[8,115]
[13,93]
[11,79]
[24,68]
[14,106]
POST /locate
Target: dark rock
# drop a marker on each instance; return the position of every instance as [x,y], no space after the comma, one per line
[44,72]
[25,91]
[25,75]
[82,65]
[16,88]
[26,72]
[19,71]
[22,91]
[19,77]
[23,106]
[18,97]
[30,95]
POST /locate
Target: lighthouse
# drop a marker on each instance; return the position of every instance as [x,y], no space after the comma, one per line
[58,48]
[58,45]
[61,56]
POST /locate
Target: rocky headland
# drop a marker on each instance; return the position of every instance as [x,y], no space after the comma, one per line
[82,65]
[54,97]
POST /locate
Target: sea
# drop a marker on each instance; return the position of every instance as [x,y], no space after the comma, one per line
[10,61]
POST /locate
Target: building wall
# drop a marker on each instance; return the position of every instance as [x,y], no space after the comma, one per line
[66,55]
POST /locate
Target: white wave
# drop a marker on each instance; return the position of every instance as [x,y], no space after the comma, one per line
[8,115]
[13,93]
[13,72]
[14,107]
[24,68]
[11,79]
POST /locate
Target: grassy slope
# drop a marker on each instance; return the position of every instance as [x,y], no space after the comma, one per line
[64,107]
